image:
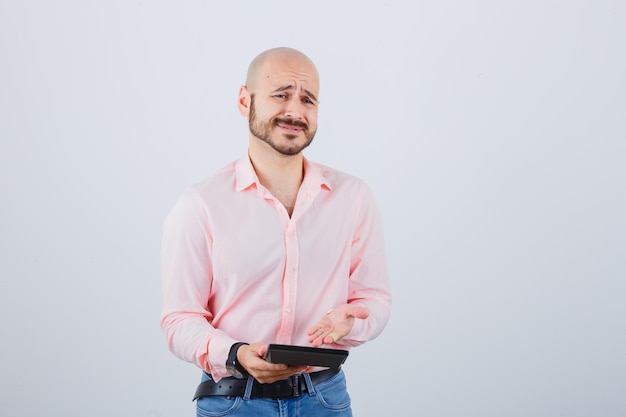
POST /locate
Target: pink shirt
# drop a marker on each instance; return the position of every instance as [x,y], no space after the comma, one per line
[236,267]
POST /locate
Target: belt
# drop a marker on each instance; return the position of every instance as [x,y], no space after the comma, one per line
[285,388]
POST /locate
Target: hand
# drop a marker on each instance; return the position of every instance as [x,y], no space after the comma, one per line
[251,358]
[336,324]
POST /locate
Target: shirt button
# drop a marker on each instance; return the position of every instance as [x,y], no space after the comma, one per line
[288,309]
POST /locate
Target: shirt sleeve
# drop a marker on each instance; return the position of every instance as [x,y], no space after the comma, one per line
[369,280]
[186,270]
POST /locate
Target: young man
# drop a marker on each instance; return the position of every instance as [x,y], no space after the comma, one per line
[273,249]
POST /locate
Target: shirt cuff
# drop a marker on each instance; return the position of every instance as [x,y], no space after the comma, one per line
[218,349]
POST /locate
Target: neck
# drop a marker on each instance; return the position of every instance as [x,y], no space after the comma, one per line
[281,174]
[274,166]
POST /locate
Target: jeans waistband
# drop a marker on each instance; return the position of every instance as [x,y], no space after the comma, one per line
[285,388]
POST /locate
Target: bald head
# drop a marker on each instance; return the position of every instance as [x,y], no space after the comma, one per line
[264,64]
[280,101]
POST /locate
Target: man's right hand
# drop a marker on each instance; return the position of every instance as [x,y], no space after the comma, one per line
[251,358]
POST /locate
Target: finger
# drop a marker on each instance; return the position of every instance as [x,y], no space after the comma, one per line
[316,341]
[264,366]
[268,377]
[265,376]
[316,332]
[331,338]
[262,351]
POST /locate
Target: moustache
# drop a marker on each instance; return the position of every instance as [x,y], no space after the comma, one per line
[291,122]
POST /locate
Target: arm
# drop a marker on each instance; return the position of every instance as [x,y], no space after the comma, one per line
[367,309]
[186,268]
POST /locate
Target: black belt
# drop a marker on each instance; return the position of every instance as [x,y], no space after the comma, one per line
[285,388]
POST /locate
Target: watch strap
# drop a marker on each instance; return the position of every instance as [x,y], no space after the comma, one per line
[232,357]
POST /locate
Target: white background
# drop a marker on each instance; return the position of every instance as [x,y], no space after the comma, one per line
[493,134]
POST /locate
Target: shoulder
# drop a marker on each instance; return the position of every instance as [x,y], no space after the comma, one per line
[338,180]
[197,197]
[222,180]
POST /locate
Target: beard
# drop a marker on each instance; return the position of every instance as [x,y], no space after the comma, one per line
[263,131]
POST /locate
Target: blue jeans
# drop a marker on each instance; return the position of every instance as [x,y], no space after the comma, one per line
[327,399]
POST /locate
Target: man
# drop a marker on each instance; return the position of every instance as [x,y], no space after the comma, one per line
[273,249]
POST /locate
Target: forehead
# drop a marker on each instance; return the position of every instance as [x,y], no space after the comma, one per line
[282,71]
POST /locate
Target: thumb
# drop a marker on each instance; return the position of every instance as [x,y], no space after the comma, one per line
[358,312]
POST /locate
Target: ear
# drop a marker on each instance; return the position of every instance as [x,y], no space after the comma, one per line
[243,101]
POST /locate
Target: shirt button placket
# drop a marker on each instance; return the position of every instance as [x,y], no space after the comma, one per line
[291,278]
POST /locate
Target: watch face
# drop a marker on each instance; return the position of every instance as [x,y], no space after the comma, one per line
[234,371]
[231,363]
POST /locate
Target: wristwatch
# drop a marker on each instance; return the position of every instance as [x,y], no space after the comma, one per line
[232,365]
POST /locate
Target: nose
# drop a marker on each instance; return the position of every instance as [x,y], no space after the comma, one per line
[294,109]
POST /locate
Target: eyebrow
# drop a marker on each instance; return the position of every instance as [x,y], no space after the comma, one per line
[291,87]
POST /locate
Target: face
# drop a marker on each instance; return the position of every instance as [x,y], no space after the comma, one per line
[283,106]
[283,134]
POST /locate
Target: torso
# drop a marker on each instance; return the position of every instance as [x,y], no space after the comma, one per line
[286,198]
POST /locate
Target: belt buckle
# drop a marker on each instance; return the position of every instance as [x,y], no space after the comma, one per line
[295,387]
[283,389]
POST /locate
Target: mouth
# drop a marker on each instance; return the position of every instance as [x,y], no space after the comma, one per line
[291,127]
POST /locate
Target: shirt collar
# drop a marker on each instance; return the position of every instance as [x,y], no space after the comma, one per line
[246,177]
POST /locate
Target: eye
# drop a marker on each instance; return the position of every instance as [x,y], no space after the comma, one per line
[281,96]
[307,100]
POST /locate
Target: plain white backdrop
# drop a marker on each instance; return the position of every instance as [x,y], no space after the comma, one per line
[493,134]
